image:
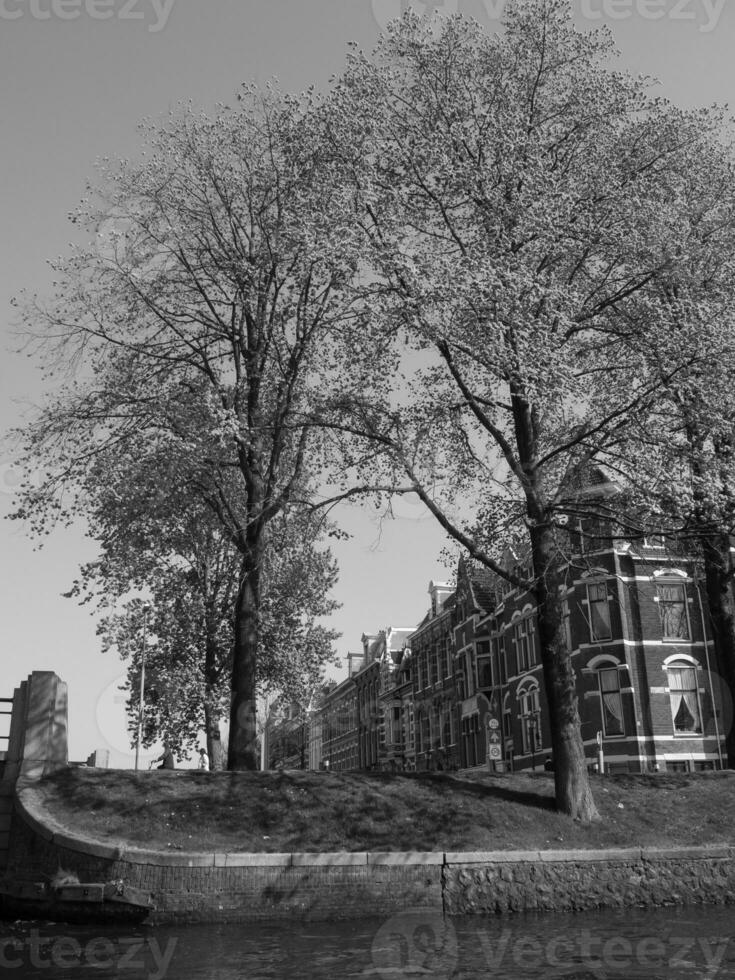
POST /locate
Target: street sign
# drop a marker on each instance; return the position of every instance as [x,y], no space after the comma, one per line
[493,723]
[495,752]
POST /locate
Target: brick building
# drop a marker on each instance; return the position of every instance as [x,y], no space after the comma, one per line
[649,694]
[434,688]
[465,689]
[339,727]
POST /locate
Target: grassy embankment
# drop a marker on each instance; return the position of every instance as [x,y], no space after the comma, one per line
[316,811]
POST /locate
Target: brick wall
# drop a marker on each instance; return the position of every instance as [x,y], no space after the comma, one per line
[243,887]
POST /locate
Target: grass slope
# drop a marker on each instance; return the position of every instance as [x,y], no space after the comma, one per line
[317,811]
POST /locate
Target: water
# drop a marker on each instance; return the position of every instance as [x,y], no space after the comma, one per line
[692,943]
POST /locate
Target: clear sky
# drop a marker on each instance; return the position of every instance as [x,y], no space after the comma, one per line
[76,77]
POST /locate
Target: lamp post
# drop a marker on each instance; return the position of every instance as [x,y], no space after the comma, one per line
[145,609]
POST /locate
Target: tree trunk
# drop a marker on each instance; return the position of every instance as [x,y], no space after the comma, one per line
[212,713]
[215,749]
[242,751]
[571,778]
[721,624]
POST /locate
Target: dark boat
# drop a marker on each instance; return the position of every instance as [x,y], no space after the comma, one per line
[78,902]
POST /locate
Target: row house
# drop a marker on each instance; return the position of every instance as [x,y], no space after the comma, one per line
[434,688]
[367,682]
[397,708]
[465,689]
[339,727]
[286,738]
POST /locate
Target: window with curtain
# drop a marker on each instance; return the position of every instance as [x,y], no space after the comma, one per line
[672,611]
[611,701]
[599,610]
[684,696]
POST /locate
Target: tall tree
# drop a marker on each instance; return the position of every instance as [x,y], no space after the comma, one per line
[202,316]
[159,541]
[513,197]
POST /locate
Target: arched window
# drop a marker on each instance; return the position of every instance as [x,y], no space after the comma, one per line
[686,710]
[611,700]
[530,714]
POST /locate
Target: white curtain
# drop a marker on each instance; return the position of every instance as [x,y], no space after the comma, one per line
[612,701]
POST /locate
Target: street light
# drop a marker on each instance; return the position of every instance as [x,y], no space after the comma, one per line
[145,610]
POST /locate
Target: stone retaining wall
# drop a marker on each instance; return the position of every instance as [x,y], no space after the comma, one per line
[579,880]
[239,887]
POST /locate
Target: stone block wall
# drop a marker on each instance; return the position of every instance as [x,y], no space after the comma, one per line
[581,880]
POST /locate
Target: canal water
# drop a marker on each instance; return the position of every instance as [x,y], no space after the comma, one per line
[689,943]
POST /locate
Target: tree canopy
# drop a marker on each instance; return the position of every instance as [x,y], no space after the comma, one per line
[523,209]
[475,270]
[201,317]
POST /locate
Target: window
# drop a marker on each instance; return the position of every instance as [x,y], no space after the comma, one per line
[407,726]
[611,701]
[469,670]
[447,730]
[654,541]
[425,734]
[599,609]
[502,659]
[485,672]
[524,644]
[507,718]
[672,611]
[530,720]
[684,697]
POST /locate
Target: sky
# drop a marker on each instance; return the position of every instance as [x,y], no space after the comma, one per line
[76,79]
